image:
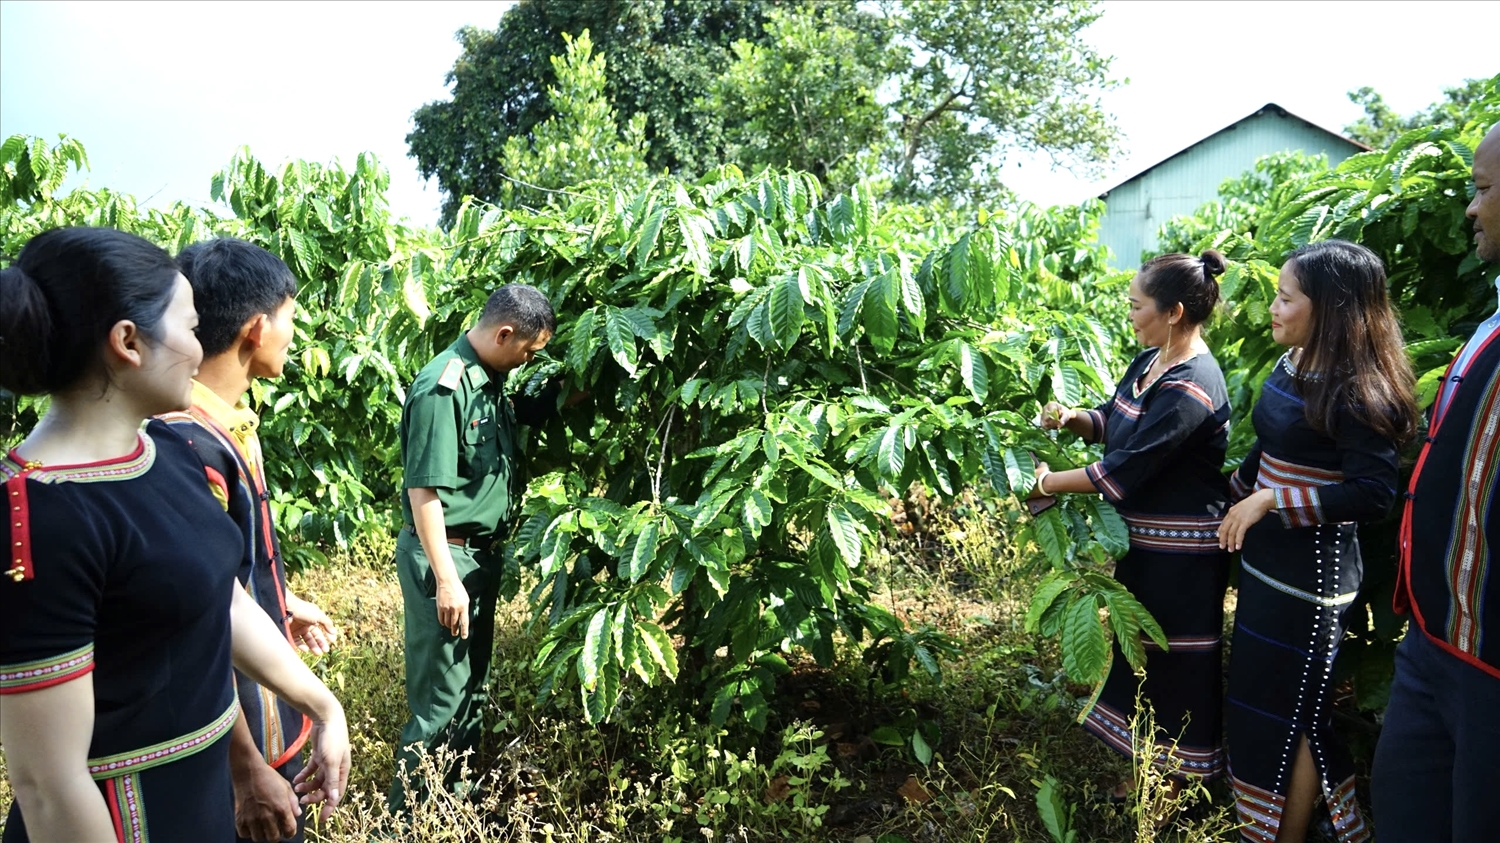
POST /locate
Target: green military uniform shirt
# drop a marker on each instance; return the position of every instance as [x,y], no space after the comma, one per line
[457,437]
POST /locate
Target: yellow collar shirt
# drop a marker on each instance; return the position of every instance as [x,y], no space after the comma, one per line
[239,421]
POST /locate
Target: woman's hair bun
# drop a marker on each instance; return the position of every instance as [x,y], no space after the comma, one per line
[1179,278]
[25,334]
[1213,263]
[64,293]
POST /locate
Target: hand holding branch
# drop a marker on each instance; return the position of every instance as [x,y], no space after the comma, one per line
[1055,416]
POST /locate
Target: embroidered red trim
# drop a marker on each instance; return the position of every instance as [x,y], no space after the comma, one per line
[19,514]
[44,673]
[1404,598]
[135,453]
[114,813]
[295,746]
[216,479]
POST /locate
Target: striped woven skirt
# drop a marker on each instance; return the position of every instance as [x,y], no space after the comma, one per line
[1179,575]
[1295,586]
[176,791]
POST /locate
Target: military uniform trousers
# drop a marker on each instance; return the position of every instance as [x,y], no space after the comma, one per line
[446,676]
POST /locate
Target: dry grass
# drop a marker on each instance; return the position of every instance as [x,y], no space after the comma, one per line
[1009,714]
[6,797]
[1005,713]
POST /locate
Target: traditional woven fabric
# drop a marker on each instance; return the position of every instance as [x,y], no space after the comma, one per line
[1300,571]
[131,567]
[225,439]
[1450,532]
[1162,469]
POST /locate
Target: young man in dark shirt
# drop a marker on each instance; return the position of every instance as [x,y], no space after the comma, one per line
[245,297]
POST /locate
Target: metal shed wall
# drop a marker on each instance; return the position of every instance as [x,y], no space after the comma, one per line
[1136,209]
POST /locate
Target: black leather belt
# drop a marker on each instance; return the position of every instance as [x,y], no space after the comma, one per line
[453,539]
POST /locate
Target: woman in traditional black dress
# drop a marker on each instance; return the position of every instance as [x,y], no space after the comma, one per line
[119,610]
[1330,420]
[1165,433]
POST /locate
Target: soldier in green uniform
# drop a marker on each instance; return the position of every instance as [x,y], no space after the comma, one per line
[459,490]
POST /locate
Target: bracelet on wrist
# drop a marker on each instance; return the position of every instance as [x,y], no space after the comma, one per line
[1041,482]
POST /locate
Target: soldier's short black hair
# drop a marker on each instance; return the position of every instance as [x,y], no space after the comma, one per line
[233,281]
[520,305]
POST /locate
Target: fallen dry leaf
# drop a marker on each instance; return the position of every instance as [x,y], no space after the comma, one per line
[913,791]
[779,790]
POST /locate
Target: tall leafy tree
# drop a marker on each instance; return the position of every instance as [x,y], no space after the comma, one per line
[663,55]
[582,140]
[1381,125]
[985,78]
[937,91]
[805,97]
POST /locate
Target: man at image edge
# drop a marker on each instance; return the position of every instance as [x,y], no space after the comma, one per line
[1436,772]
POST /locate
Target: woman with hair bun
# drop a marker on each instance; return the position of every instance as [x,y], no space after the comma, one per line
[1329,423]
[120,613]
[1165,433]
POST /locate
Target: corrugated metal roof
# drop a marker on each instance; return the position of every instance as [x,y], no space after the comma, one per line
[1268,108]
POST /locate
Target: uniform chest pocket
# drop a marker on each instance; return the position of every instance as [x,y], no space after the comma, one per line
[482,444]
[480,432]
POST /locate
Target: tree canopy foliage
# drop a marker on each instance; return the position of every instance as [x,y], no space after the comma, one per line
[768,364]
[983,77]
[1381,125]
[581,144]
[932,94]
[806,97]
[663,55]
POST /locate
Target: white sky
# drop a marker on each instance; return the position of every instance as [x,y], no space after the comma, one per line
[1196,67]
[162,94]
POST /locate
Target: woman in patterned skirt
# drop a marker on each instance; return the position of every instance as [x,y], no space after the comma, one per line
[1329,423]
[1164,434]
[119,610]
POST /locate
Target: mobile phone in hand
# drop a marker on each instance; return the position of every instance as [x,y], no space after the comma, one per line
[1039,505]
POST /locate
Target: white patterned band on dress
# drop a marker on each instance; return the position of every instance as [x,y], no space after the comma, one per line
[1174,533]
[127,808]
[1168,756]
[1260,812]
[44,673]
[1340,600]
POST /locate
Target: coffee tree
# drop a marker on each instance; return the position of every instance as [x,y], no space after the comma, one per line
[766,369]
[766,366]
[364,319]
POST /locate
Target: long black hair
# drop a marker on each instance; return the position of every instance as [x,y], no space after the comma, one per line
[1354,361]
